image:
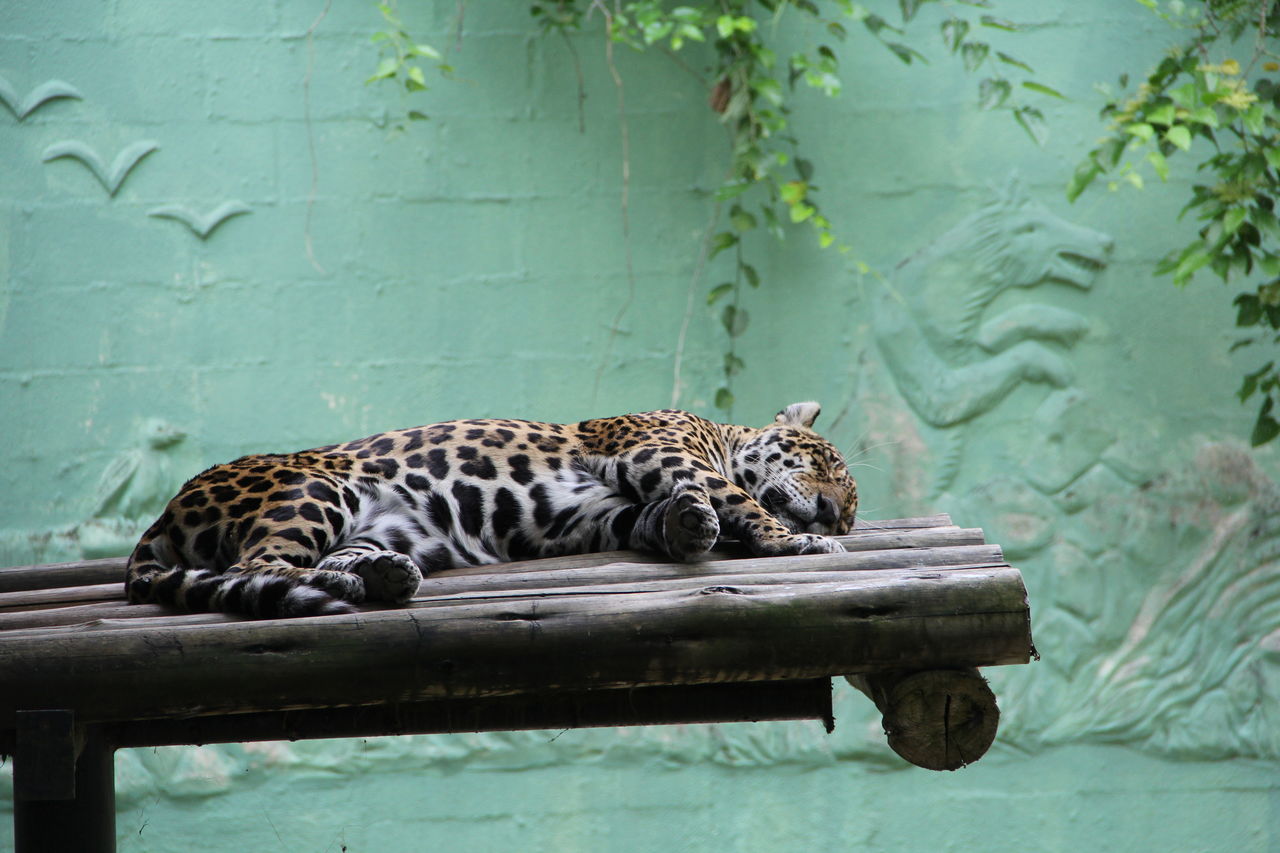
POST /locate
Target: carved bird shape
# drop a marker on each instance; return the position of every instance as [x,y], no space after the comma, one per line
[111,178]
[201,224]
[50,90]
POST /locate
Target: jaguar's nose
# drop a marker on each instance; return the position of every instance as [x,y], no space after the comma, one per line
[828,512]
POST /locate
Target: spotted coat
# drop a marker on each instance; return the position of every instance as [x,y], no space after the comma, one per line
[316,531]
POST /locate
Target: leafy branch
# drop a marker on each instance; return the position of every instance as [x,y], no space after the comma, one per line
[1229,116]
[770,187]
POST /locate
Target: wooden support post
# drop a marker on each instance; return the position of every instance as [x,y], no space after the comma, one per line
[939,719]
[64,796]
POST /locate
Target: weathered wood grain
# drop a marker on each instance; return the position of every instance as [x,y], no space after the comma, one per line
[921,619]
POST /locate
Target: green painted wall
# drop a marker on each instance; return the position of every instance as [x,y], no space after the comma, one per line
[475,264]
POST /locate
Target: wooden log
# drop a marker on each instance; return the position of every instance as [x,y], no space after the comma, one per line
[636,706]
[442,593]
[938,520]
[84,823]
[34,598]
[18,610]
[928,531]
[79,573]
[937,719]
[503,574]
[929,537]
[101,615]
[915,620]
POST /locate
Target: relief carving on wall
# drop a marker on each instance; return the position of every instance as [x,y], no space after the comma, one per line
[131,493]
[951,362]
[1151,560]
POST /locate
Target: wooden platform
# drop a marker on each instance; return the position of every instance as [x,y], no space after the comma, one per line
[601,639]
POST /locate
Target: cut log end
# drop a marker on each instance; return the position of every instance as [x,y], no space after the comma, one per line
[937,719]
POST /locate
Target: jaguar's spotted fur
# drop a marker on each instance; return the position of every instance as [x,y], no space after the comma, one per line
[313,532]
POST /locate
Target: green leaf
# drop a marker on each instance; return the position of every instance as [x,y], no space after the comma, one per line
[801,211]
[750,274]
[953,32]
[741,219]
[1248,313]
[993,92]
[1185,96]
[1266,427]
[718,291]
[734,320]
[1272,153]
[1232,219]
[732,364]
[1255,120]
[1162,114]
[974,53]
[1159,163]
[1142,130]
[1009,60]
[793,192]
[722,241]
[724,399]
[415,81]
[386,68]
[1180,136]
[1192,259]
[425,50]
[1204,115]
[999,24]
[905,53]
[1032,121]
[1043,89]
[732,190]
[1080,180]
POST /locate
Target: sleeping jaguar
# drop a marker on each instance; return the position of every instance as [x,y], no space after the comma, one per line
[315,532]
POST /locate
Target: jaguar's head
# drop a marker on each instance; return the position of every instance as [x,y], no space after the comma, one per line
[797,475]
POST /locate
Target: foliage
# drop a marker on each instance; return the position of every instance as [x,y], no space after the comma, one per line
[769,186]
[401,57]
[1228,115]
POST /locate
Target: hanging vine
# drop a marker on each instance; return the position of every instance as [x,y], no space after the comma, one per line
[770,186]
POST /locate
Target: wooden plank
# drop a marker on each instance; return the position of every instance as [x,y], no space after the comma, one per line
[923,619]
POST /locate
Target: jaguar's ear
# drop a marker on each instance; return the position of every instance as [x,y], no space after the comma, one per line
[799,414]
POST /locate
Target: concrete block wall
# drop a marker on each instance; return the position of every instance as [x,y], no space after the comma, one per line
[474,264]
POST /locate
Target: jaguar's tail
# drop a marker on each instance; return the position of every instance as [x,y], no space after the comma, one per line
[157,573]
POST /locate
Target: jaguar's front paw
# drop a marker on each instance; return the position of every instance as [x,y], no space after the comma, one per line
[691,525]
[805,543]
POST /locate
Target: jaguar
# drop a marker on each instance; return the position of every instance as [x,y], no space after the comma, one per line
[318,531]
